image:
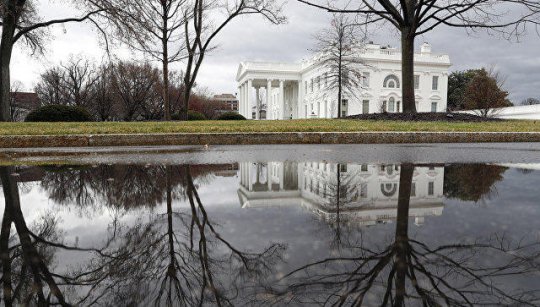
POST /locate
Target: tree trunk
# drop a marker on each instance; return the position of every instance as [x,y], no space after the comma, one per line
[165,61]
[407,70]
[185,104]
[166,96]
[402,228]
[6,48]
[339,85]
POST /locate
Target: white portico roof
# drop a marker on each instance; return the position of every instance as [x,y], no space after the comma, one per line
[268,70]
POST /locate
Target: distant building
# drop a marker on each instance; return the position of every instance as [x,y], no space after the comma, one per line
[297,90]
[23,103]
[229,102]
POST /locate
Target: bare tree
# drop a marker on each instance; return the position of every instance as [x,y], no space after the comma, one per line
[104,102]
[20,22]
[154,27]
[337,50]
[203,27]
[416,17]
[135,85]
[49,88]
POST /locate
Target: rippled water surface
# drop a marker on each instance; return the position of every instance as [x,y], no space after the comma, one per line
[271,233]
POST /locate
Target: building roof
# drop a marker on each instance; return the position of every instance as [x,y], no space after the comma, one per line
[225,96]
[26,100]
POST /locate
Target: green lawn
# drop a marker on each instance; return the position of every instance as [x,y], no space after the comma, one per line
[316,125]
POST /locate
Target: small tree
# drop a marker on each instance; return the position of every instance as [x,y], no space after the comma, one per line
[484,93]
[338,48]
[457,84]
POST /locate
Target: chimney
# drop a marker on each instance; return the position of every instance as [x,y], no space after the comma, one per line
[425,48]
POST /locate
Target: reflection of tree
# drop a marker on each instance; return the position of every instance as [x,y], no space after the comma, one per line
[26,257]
[408,271]
[116,186]
[471,182]
[180,258]
[175,258]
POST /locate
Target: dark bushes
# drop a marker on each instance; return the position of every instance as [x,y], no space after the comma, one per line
[59,113]
[192,115]
[231,116]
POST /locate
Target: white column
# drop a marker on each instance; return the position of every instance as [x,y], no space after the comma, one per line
[240,102]
[281,100]
[249,85]
[268,100]
[300,100]
[257,104]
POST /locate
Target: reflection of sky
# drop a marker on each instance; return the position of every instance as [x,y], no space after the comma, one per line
[512,210]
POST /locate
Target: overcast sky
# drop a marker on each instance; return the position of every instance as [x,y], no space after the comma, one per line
[252,38]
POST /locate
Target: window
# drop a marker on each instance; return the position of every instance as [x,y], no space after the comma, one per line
[413,189]
[391,81]
[311,84]
[363,190]
[318,83]
[365,80]
[343,168]
[305,86]
[344,107]
[431,188]
[365,107]
[416,82]
[391,103]
[364,168]
[435,83]
[434,107]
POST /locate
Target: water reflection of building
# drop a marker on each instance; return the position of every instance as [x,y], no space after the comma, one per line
[368,194]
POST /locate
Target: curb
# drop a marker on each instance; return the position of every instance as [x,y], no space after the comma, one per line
[106,140]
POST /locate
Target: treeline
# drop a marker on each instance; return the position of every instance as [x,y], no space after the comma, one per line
[118,91]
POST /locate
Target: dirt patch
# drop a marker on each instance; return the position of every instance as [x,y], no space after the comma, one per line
[433,117]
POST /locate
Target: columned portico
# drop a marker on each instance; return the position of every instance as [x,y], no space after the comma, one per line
[280,89]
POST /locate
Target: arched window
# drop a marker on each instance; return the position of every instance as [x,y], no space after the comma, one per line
[389,189]
[391,81]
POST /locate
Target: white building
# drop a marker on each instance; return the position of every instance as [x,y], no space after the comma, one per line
[297,90]
[368,193]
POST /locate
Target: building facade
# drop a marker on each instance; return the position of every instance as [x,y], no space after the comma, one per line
[228,102]
[290,91]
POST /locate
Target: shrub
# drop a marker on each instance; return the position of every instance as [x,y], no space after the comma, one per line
[59,113]
[194,115]
[231,116]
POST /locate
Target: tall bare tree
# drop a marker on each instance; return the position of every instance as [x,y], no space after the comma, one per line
[20,21]
[337,48]
[154,27]
[204,26]
[416,17]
